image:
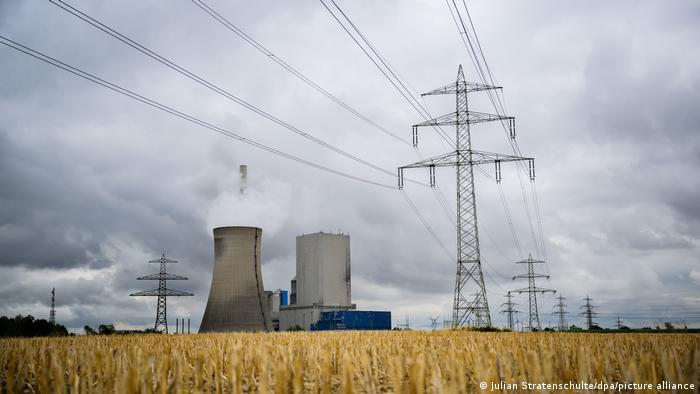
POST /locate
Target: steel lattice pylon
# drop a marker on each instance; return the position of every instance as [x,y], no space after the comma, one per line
[509,311]
[162,292]
[561,313]
[470,304]
[532,290]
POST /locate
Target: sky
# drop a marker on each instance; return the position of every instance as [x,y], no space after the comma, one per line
[94,184]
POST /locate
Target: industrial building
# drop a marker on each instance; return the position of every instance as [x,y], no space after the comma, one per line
[276,299]
[322,281]
[237,299]
[353,320]
[320,297]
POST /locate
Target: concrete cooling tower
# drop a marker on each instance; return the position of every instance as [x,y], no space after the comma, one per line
[237,299]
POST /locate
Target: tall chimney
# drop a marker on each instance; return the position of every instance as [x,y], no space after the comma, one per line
[243,183]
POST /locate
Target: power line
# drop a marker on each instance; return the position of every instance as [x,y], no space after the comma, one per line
[262,49]
[427,226]
[192,119]
[202,81]
[464,35]
[395,81]
[506,209]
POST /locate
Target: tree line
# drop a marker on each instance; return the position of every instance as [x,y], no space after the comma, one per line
[28,326]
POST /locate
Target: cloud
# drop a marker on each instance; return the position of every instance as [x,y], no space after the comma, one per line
[695,276]
[93,185]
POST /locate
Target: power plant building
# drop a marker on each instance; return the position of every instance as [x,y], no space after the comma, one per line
[322,281]
[237,299]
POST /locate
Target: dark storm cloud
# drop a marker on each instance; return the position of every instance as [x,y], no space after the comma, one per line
[93,185]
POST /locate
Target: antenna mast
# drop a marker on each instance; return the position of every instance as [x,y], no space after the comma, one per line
[52,313]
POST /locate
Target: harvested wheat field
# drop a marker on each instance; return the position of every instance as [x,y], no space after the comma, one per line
[357,362]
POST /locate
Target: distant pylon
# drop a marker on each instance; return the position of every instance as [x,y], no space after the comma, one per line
[52,313]
[562,313]
[467,309]
[619,323]
[434,322]
[509,311]
[446,323]
[588,312]
[162,292]
[532,290]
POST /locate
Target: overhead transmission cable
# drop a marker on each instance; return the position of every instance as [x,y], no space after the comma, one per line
[395,79]
[236,30]
[262,49]
[514,144]
[172,65]
[506,210]
[192,119]
[499,107]
[427,226]
[386,70]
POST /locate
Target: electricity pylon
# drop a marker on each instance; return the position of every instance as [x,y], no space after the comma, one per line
[434,322]
[162,292]
[52,312]
[467,308]
[509,311]
[561,313]
[588,312]
[532,290]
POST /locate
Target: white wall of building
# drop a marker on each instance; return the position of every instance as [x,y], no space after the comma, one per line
[323,269]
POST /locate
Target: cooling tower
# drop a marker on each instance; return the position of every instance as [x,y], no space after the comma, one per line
[237,299]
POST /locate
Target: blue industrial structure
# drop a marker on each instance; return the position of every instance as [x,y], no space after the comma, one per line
[353,320]
[284,297]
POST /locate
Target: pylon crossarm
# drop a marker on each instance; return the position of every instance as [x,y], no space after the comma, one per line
[177,293]
[145,293]
[444,120]
[542,290]
[533,275]
[520,291]
[156,292]
[454,88]
[479,157]
[163,260]
[480,117]
[444,160]
[462,117]
[530,261]
[163,276]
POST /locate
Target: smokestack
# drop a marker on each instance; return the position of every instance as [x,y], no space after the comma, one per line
[244,177]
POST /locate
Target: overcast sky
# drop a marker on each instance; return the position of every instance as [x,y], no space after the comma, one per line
[94,184]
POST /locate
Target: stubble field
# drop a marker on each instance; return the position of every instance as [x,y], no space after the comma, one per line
[348,362]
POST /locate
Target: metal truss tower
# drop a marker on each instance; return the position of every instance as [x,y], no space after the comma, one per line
[52,312]
[470,305]
[532,290]
[509,311]
[162,292]
[588,312]
[561,313]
